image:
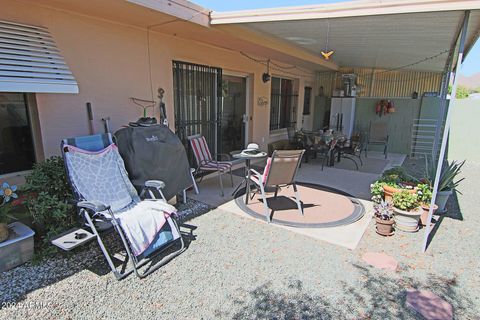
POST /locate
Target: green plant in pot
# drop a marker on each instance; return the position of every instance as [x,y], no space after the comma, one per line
[392,181]
[448,179]
[424,195]
[7,193]
[407,211]
[384,218]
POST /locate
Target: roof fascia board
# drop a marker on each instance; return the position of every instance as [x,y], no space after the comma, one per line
[345,9]
[181,9]
[276,45]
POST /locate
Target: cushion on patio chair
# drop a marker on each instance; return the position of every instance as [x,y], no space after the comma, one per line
[265,172]
[204,157]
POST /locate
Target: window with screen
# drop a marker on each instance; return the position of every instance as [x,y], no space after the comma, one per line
[283,104]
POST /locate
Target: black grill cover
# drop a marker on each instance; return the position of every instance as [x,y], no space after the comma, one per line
[154,153]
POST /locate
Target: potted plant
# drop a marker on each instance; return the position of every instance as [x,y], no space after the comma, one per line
[392,181]
[407,211]
[384,218]
[397,180]
[7,193]
[424,195]
[447,180]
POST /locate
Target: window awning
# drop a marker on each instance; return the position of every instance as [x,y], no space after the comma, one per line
[31,62]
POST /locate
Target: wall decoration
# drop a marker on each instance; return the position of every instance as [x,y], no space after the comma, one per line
[384,107]
[262,101]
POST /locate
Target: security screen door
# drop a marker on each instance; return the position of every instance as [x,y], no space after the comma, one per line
[198,103]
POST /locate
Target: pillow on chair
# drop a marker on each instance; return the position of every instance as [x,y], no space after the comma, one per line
[267,169]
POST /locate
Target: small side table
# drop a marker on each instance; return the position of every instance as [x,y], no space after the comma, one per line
[67,241]
[248,158]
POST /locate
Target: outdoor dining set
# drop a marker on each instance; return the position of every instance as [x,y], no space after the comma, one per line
[330,146]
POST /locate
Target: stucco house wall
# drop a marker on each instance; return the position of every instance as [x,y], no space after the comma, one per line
[110,62]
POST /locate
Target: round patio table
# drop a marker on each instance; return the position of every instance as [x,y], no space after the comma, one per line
[248,158]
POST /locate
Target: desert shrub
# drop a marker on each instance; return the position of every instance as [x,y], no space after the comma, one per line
[48,195]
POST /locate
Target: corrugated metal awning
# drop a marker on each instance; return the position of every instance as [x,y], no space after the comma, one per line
[31,62]
[367,34]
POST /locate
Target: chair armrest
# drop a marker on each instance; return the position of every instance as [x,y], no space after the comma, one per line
[155,184]
[255,172]
[95,206]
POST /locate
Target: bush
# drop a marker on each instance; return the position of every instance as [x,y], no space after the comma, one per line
[405,200]
[395,177]
[424,193]
[48,196]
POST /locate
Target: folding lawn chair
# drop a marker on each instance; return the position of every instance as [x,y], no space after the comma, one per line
[206,162]
[281,170]
[106,199]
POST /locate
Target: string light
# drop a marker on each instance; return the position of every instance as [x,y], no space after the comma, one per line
[366,77]
[277,67]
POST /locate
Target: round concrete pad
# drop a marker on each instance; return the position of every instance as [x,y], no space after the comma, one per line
[322,207]
[429,305]
[380,260]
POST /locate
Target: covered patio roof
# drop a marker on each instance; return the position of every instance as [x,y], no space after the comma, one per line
[369,34]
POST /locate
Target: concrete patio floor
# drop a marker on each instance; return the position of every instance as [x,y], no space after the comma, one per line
[354,182]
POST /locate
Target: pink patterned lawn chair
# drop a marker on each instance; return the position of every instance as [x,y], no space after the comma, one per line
[205,161]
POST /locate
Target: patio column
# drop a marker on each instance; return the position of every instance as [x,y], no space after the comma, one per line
[447,128]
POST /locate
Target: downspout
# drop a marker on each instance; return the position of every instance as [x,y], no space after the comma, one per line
[447,129]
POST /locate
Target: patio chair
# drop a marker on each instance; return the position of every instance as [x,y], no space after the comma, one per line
[326,153]
[280,170]
[205,161]
[351,150]
[377,136]
[106,200]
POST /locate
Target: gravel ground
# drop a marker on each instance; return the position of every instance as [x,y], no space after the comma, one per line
[236,268]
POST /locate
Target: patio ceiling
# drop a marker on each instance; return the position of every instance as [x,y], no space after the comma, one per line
[365,34]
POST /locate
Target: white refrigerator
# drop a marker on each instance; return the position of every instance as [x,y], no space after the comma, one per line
[342,115]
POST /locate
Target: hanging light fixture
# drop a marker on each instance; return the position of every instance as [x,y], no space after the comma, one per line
[326,54]
[266,76]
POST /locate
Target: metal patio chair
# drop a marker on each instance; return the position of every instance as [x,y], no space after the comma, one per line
[326,153]
[106,200]
[377,136]
[280,170]
[205,161]
[351,151]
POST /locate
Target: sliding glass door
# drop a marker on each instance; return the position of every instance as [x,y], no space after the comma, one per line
[234,117]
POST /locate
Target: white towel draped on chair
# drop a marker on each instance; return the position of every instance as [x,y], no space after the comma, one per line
[143,221]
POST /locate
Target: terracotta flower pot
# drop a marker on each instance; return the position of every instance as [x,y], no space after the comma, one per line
[407,220]
[384,227]
[388,192]
[424,216]
[4,232]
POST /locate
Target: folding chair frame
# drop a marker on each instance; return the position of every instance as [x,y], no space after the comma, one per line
[89,210]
